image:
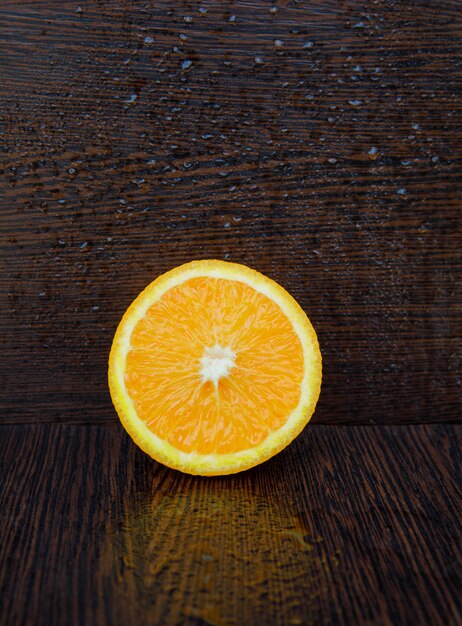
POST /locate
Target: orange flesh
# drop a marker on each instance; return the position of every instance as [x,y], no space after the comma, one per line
[163,369]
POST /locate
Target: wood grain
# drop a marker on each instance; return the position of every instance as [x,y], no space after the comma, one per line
[319,142]
[331,162]
[349,525]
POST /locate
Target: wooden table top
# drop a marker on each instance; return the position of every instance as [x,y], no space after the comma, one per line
[348,525]
[318,142]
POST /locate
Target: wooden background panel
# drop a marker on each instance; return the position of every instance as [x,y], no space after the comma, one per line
[140,135]
[349,525]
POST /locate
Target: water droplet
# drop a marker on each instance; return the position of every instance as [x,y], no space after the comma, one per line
[278,43]
[83,245]
[402,191]
[132,98]
[95,308]
[372,153]
[203,10]
[355,103]
[258,60]
[149,40]
[183,37]
[78,10]
[359,25]
[308,44]
[71,170]
[186,65]
[188,19]
[435,159]
[232,18]
[274,10]
[357,68]
[332,160]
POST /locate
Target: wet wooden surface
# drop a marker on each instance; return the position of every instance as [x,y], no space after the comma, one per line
[318,142]
[349,525]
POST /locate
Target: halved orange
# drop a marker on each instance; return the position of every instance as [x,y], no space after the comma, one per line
[214,368]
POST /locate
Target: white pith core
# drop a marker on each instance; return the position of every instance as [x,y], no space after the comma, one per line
[216,363]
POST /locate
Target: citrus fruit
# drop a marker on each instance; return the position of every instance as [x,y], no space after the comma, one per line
[214,368]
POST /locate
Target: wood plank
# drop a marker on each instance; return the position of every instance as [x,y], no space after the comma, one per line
[349,525]
[331,163]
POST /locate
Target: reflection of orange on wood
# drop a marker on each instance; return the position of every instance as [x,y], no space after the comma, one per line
[211,550]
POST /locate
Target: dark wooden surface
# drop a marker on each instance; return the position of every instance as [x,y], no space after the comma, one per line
[333,165]
[349,525]
[318,142]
